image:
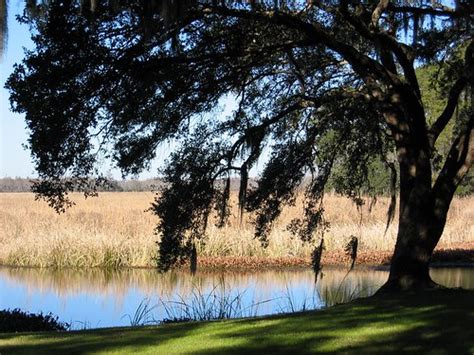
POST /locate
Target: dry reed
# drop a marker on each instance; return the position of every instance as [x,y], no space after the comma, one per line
[115,230]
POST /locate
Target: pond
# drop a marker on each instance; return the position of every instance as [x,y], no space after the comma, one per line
[98,298]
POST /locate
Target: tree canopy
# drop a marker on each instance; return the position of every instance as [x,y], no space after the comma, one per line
[317,84]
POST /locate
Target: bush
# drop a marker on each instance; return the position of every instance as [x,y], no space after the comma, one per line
[18,321]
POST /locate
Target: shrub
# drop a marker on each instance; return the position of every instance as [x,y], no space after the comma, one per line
[19,321]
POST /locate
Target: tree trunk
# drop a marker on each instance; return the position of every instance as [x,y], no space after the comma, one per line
[421,223]
[409,269]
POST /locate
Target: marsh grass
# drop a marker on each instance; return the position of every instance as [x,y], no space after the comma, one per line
[114,230]
[290,303]
[143,314]
[220,302]
[82,325]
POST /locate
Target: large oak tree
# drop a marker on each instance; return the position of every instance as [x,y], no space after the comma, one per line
[317,84]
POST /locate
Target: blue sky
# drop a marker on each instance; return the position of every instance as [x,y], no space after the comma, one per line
[14,159]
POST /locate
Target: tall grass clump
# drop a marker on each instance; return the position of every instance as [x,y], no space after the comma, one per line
[291,303]
[220,302]
[223,302]
[143,314]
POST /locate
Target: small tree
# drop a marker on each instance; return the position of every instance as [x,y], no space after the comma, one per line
[316,82]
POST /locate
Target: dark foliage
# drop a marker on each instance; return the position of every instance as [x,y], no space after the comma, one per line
[351,250]
[12,321]
[316,259]
[176,320]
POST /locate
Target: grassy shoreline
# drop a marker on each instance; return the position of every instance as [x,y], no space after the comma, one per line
[463,256]
[114,231]
[436,321]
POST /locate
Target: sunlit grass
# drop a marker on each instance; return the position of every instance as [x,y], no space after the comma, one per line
[431,322]
[114,230]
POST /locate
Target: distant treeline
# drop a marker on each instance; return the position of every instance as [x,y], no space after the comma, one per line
[24,185]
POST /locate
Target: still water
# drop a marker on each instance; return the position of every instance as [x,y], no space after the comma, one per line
[99,298]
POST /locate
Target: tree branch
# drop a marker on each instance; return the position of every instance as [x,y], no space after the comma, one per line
[444,11]
[441,122]
[387,44]
[368,68]
[264,125]
[297,70]
[379,9]
[457,164]
[453,96]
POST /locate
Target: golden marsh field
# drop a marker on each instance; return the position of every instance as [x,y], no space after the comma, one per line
[115,230]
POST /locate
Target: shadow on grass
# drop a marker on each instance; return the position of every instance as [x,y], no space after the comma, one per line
[437,321]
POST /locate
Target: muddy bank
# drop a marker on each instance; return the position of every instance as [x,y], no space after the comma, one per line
[459,254]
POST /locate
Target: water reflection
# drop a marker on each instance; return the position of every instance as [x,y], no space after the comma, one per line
[454,277]
[100,298]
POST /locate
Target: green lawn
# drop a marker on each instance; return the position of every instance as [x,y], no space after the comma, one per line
[433,322]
